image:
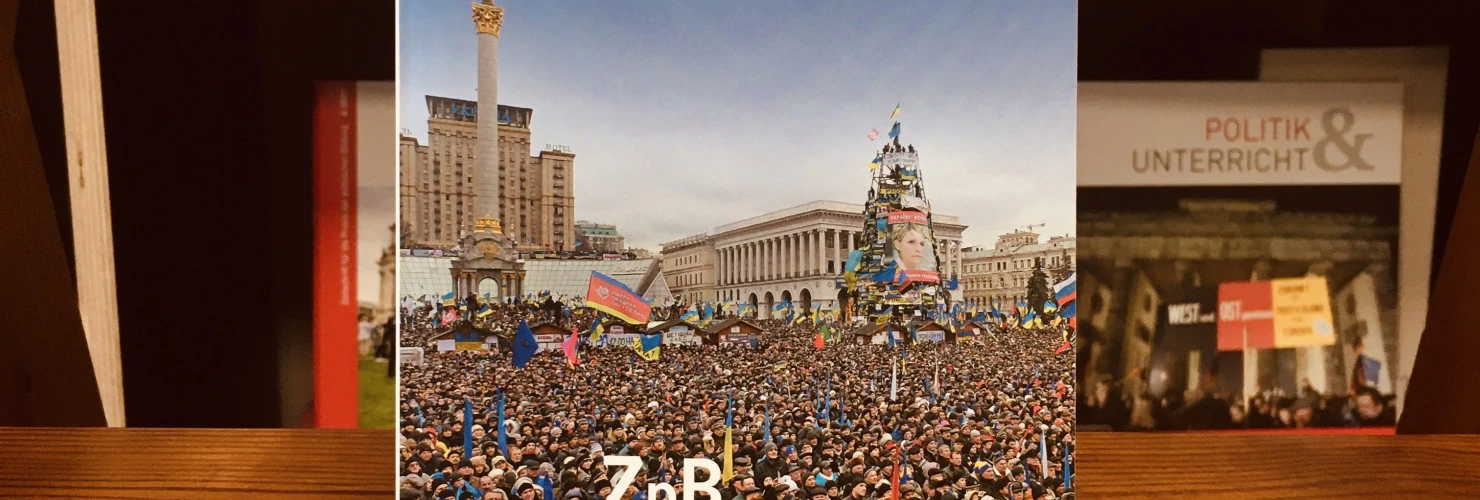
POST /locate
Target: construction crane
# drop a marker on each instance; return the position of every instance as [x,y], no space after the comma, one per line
[1029,227]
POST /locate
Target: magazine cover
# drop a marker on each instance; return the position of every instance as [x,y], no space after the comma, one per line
[1239,261]
[756,250]
[354,265]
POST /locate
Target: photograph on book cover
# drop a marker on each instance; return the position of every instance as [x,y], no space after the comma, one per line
[1239,255]
[766,249]
[354,250]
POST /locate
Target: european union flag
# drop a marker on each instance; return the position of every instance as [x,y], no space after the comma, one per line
[525,345]
[894,132]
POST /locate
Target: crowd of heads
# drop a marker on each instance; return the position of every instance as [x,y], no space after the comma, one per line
[964,419]
[1128,404]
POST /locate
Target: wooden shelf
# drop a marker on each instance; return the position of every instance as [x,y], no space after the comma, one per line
[1230,465]
[199,464]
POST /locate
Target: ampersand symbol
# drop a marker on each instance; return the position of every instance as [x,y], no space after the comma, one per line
[1335,137]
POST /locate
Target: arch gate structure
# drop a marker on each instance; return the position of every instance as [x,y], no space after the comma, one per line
[487,254]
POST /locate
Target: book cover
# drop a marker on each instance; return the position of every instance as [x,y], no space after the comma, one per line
[1238,254]
[752,266]
[354,217]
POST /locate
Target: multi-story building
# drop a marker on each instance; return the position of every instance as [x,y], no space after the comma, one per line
[595,237]
[1002,271]
[688,267]
[797,254]
[536,193]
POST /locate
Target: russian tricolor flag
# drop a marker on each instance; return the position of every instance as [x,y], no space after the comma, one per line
[1064,292]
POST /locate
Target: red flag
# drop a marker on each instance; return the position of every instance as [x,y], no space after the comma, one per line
[569,346]
[894,478]
[818,342]
[1062,348]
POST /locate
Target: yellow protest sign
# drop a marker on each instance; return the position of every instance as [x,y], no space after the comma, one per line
[1302,312]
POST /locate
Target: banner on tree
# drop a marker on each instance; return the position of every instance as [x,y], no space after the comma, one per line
[911,248]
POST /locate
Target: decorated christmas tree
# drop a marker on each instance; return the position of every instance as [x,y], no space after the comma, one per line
[895,272]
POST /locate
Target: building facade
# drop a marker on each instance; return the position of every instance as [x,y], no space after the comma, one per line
[1002,271]
[595,237]
[438,199]
[797,254]
[688,267]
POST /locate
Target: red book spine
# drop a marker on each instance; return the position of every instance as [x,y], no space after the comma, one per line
[335,322]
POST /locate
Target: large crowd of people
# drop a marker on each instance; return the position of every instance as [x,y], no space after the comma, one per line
[1127,404]
[963,419]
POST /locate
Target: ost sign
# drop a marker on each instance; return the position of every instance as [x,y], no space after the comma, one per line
[1290,312]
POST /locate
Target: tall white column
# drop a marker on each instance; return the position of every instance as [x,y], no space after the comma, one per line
[488,20]
[779,260]
[780,269]
[838,251]
[752,260]
[799,249]
[799,256]
[788,265]
[777,252]
[848,237]
[806,254]
[768,258]
[742,268]
[819,260]
[745,262]
[804,248]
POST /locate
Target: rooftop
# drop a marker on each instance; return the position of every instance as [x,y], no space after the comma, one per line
[431,276]
[819,205]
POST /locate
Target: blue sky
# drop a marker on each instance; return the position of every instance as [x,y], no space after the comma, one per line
[687,115]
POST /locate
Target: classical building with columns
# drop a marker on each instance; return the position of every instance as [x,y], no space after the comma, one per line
[1002,271]
[797,254]
[688,268]
[1132,265]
